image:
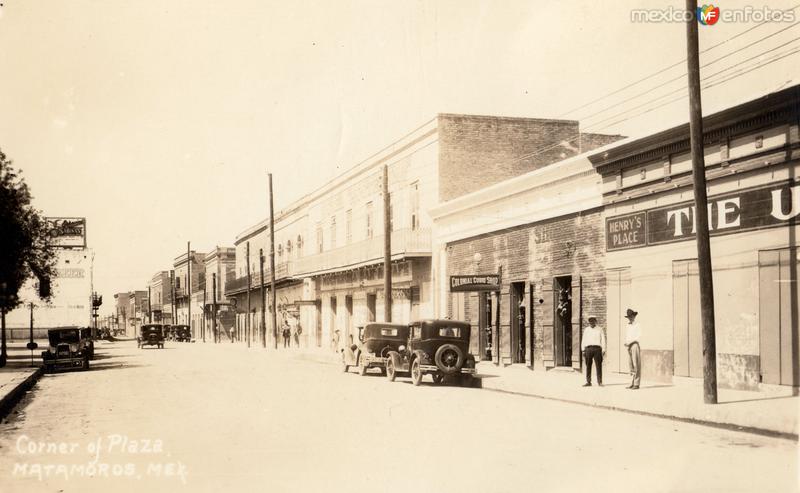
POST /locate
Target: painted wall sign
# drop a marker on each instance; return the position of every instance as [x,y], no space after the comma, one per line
[68,231]
[628,231]
[478,282]
[745,210]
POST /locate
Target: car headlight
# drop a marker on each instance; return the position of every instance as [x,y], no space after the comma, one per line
[401,348]
[73,348]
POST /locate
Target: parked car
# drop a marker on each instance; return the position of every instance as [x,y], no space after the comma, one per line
[376,340]
[88,341]
[66,350]
[436,347]
[151,335]
[182,333]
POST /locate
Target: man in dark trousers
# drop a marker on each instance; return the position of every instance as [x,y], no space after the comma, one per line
[593,346]
[287,333]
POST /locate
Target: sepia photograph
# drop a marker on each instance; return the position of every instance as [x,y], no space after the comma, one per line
[399,245]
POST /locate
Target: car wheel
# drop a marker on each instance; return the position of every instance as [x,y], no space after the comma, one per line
[438,378]
[391,373]
[449,359]
[362,370]
[416,372]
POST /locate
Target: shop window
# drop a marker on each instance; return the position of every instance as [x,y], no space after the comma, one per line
[348,226]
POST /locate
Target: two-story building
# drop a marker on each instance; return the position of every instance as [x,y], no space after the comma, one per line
[219,267]
[189,291]
[160,297]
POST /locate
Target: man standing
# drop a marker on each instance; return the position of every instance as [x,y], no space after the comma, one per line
[287,333]
[634,352]
[593,346]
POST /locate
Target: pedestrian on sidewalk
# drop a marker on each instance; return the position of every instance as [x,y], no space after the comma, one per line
[593,346]
[634,352]
[287,333]
[298,331]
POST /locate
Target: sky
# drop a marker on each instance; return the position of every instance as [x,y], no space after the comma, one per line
[158,121]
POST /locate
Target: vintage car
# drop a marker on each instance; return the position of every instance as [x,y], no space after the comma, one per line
[88,341]
[151,335]
[66,350]
[376,340]
[182,333]
[436,347]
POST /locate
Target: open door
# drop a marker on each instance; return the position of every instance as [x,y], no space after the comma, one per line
[577,320]
[546,317]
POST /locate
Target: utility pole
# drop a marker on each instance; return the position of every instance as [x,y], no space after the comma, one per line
[205,316]
[272,265]
[172,308]
[189,289]
[263,299]
[247,322]
[214,305]
[701,209]
[387,248]
[149,308]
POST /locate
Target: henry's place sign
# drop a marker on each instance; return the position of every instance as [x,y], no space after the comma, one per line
[735,212]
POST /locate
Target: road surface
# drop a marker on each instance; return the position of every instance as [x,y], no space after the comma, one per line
[200,417]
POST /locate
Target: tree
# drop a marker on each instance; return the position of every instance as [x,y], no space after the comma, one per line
[25,251]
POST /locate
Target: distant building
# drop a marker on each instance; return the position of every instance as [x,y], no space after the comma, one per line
[190,291]
[137,312]
[219,267]
[71,303]
[160,301]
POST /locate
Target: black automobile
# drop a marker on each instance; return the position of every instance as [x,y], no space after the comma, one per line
[151,335]
[67,350]
[436,347]
[376,341]
[182,333]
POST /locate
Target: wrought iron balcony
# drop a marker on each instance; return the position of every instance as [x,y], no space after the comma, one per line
[283,270]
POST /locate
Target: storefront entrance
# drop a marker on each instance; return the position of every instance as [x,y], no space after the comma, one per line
[779,317]
[518,339]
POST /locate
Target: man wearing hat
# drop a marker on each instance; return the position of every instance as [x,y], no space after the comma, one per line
[593,346]
[634,352]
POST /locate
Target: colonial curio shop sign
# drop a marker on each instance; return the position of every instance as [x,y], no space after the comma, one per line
[745,210]
[478,282]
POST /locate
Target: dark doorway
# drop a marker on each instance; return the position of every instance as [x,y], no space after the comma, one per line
[348,305]
[319,323]
[562,337]
[485,326]
[518,322]
[371,304]
[338,339]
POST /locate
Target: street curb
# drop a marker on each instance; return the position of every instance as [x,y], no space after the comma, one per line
[712,424]
[8,401]
[703,422]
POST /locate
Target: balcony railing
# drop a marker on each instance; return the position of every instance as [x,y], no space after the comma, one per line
[405,242]
[283,270]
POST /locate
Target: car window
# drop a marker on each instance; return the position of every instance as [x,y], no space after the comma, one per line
[389,332]
[450,331]
[416,332]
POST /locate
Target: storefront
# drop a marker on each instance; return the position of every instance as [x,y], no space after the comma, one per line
[751,157]
[523,262]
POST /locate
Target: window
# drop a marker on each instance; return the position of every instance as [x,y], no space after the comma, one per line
[348,226]
[415,205]
[449,332]
[333,232]
[319,238]
[299,246]
[288,247]
[369,219]
[389,332]
[416,332]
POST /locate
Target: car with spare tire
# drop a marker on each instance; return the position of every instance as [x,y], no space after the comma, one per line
[439,348]
[376,340]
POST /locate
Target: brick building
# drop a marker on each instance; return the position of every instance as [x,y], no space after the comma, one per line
[160,298]
[752,158]
[522,261]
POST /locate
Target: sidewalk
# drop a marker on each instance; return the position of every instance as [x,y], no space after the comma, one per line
[773,411]
[19,375]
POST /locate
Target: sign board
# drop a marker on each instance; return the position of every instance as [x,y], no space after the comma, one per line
[67,231]
[744,210]
[477,282]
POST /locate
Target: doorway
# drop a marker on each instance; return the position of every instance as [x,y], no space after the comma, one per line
[485,326]
[348,306]
[372,301]
[337,334]
[779,316]
[517,312]
[562,336]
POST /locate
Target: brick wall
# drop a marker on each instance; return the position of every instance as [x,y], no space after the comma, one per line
[477,151]
[571,245]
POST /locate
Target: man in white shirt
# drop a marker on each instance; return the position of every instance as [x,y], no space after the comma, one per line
[593,346]
[634,352]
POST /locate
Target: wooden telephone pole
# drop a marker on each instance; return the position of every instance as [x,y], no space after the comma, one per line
[387,248]
[263,299]
[247,320]
[701,209]
[273,295]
